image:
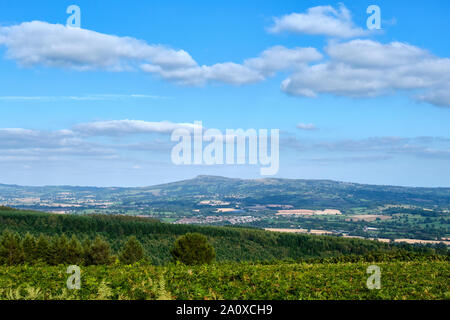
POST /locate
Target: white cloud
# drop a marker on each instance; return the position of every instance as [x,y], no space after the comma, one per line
[41,43]
[108,140]
[306,126]
[228,72]
[365,68]
[279,58]
[253,70]
[372,54]
[321,20]
[19,144]
[53,45]
[79,139]
[438,97]
[123,127]
[357,68]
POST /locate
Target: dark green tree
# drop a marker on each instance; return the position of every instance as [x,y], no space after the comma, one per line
[59,253]
[100,251]
[11,251]
[29,246]
[87,254]
[193,249]
[74,251]
[43,249]
[132,251]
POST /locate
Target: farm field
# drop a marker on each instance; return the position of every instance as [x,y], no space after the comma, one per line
[400,280]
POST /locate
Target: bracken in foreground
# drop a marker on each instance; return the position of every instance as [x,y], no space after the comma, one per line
[278,281]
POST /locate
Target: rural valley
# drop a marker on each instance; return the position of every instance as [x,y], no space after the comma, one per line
[387,213]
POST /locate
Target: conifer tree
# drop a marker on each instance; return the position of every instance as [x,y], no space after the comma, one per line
[100,251]
[59,250]
[132,251]
[29,246]
[87,252]
[11,251]
[74,251]
[43,249]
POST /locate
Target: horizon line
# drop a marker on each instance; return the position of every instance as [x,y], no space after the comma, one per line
[217,176]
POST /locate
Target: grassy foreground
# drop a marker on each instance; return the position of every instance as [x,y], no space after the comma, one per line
[280,281]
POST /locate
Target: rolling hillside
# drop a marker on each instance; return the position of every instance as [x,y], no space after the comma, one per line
[299,193]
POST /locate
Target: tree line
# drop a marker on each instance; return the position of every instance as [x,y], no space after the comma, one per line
[190,249]
[59,249]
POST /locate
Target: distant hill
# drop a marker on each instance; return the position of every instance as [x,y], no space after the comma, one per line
[316,193]
[297,192]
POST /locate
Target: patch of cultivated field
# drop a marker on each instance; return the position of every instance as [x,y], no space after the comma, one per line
[306,212]
[418,241]
[317,232]
[226,209]
[367,217]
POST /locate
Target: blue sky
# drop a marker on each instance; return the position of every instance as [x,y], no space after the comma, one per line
[352,105]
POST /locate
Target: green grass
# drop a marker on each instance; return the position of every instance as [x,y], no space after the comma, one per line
[279,281]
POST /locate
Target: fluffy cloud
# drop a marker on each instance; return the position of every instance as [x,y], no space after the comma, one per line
[123,127]
[40,43]
[366,68]
[229,72]
[356,68]
[253,70]
[372,54]
[54,45]
[279,58]
[438,97]
[321,20]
